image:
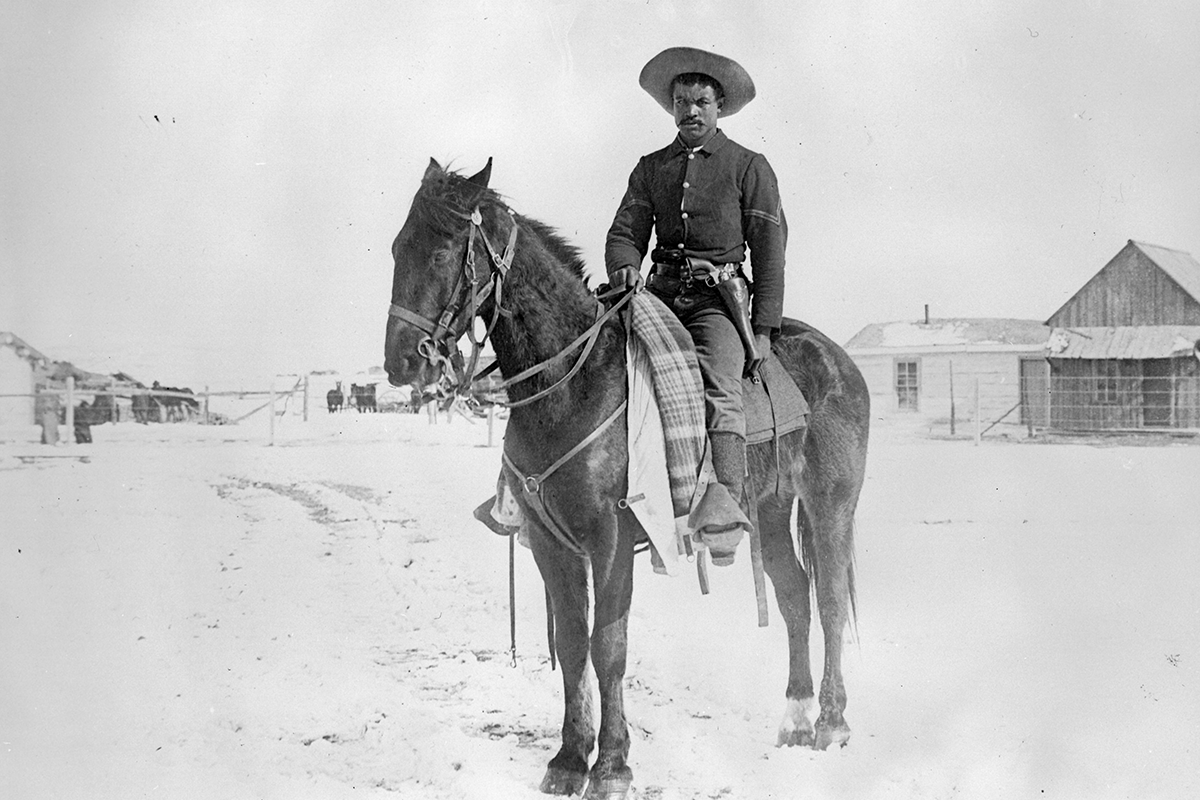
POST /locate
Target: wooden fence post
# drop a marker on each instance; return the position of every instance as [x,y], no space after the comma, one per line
[305,398]
[952,397]
[70,408]
[978,418]
[272,413]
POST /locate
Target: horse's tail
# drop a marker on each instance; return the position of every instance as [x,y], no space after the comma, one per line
[811,563]
[851,568]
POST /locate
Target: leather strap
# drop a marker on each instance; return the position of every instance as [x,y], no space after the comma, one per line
[531,485]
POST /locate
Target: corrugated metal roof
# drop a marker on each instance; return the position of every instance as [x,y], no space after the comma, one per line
[958,332]
[1182,268]
[1132,342]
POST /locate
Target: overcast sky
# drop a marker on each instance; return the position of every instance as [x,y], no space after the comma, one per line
[207,192]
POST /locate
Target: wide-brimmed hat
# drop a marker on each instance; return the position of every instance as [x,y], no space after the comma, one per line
[659,71]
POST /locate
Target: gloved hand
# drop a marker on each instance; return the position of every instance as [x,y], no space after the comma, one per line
[626,278]
[762,343]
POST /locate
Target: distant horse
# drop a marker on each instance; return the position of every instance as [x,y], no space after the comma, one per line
[456,223]
[334,398]
[363,397]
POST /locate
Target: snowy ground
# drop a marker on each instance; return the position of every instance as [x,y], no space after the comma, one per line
[189,612]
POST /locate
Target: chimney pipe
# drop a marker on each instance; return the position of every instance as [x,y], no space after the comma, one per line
[927,313]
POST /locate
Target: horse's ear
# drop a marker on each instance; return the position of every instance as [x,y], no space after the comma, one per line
[433,169]
[482,177]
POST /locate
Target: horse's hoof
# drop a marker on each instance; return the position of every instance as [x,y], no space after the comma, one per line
[796,738]
[609,788]
[796,729]
[828,735]
[561,782]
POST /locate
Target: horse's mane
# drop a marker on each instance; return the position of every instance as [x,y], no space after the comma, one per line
[445,202]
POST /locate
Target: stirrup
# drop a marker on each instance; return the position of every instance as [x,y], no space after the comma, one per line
[483,513]
[719,524]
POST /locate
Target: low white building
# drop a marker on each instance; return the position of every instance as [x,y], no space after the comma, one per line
[922,369]
[20,365]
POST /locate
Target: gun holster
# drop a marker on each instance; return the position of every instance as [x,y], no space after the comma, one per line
[735,293]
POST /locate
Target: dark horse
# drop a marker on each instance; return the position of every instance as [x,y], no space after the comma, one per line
[544,306]
[363,397]
[334,398]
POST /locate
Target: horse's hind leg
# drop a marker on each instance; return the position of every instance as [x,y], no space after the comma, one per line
[565,576]
[792,594]
[831,519]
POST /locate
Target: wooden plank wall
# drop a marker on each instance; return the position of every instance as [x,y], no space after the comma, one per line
[1073,403]
[1130,290]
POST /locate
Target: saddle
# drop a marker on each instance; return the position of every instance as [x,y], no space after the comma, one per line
[773,407]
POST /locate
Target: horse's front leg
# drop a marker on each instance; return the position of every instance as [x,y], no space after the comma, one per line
[612,572]
[612,569]
[565,576]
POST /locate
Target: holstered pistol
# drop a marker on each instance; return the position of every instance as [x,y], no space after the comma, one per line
[735,293]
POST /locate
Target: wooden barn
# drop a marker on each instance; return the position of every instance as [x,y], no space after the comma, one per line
[1122,352]
[929,370]
[21,366]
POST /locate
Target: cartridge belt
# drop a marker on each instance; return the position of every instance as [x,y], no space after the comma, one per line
[691,275]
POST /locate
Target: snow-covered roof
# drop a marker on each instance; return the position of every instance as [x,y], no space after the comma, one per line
[1132,342]
[23,349]
[940,334]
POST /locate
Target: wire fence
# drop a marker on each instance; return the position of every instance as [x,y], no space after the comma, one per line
[1114,402]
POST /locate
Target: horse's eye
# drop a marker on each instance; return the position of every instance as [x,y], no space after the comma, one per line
[441,257]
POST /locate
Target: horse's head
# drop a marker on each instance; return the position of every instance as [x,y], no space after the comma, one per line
[435,277]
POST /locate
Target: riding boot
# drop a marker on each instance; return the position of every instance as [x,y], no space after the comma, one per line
[719,519]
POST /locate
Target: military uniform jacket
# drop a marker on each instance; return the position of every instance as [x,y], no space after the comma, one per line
[713,202]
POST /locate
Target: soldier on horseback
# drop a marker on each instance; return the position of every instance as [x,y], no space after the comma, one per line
[708,200]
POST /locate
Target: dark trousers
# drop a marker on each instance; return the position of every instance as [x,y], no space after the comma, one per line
[722,359]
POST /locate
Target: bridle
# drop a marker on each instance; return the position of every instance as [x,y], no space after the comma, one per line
[439,345]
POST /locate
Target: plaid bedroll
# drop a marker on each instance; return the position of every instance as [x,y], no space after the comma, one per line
[678,390]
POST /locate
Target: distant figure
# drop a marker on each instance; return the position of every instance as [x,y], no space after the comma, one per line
[47,405]
[144,408]
[83,423]
[334,398]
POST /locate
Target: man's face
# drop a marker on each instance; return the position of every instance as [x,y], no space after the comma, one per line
[696,109]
